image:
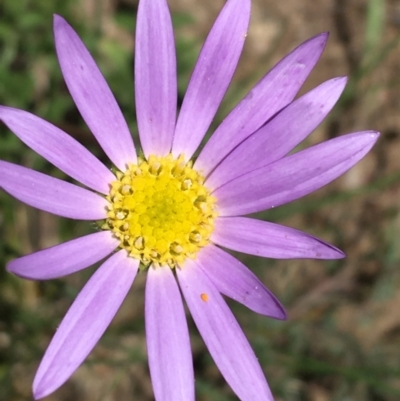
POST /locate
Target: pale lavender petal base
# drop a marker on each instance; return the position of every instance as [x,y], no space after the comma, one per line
[294,176]
[211,77]
[262,238]
[85,322]
[280,135]
[66,258]
[233,279]
[92,96]
[155,77]
[58,148]
[272,93]
[167,336]
[222,334]
[51,194]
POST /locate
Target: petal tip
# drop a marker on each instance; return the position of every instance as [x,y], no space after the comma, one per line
[279,312]
[9,268]
[329,253]
[39,392]
[340,254]
[283,316]
[58,20]
[371,137]
[343,79]
[59,24]
[18,273]
[334,87]
[321,37]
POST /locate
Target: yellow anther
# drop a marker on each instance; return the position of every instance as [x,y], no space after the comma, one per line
[139,243]
[203,206]
[178,169]
[195,237]
[126,189]
[155,168]
[199,202]
[120,215]
[187,184]
[154,254]
[176,248]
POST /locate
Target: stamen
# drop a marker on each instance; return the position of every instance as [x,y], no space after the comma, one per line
[187,184]
[126,189]
[120,215]
[155,168]
[139,243]
[178,169]
[176,248]
[154,254]
[195,237]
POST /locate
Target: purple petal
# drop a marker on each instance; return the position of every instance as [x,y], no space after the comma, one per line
[280,135]
[272,93]
[58,148]
[92,95]
[66,258]
[167,334]
[211,76]
[85,322]
[294,176]
[222,334]
[233,279]
[262,238]
[155,77]
[51,194]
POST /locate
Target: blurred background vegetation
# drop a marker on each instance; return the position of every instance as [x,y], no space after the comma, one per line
[342,340]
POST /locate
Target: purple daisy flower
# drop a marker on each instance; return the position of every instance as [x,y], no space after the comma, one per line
[169,214]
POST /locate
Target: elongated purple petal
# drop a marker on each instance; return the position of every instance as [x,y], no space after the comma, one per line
[66,258]
[262,238]
[85,322]
[233,279]
[294,176]
[58,148]
[280,135]
[155,77]
[211,76]
[92,96]
[222,334]
[51,194]
[168,345]
[272,93]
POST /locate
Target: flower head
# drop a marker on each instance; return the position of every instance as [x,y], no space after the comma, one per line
[169,213]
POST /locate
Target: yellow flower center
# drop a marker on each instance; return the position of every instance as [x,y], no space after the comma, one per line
[160,211]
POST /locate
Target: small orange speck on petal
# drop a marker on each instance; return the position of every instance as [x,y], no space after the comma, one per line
[204,297]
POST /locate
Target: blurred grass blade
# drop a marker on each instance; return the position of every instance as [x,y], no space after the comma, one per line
[374,28]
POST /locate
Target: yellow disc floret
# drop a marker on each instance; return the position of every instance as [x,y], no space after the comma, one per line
[160,211]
